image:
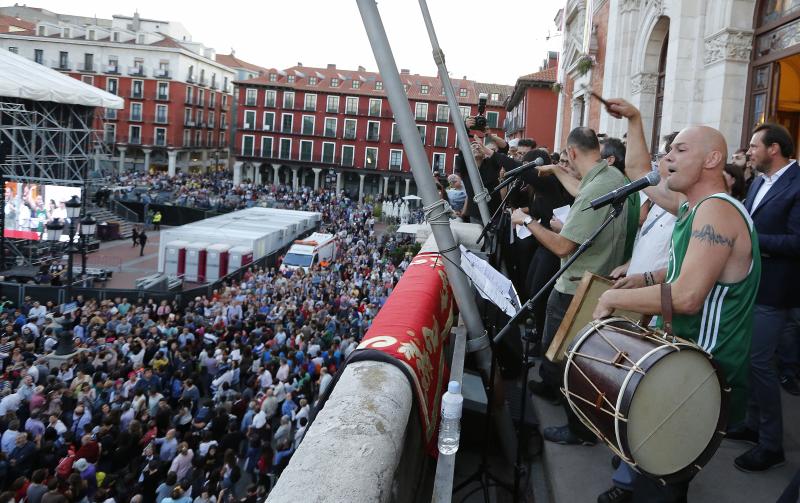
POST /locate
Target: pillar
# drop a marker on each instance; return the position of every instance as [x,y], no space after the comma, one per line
[361,187]
[396,187]
[172,158]
[338,182]
[257,175]
[204,159]
[237,173]
[276,178]
[316,177]
[408,185]
[295,179]
[385,186]
[122,151]
[147,159]
[303,176]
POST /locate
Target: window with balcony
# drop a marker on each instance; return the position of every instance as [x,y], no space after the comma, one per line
[328,152]
[248,144]
[464,112]
[492,119]
[437,165]
[112,85]
[249,119]
[378,85]
[163,70]
[63,60]
[187,138]
[395,138]
[88,62]
[187,117]
[212,100]
[137,89]
[421,111]
[308,125]
[224,101]
[286,148]
[350,129]
[223,121]
[348,155]
[189,95]
[199,118]
[212,116]
[113,65]
[209,138]
[270,97]
[250,97]
[422,133]
[330,126]
[287,121]
[111,113]
[332,105]
[269,121]
[306,150]
[442,113]
[110,133]
[266,146]
[160,137]
[135,136]
[38,56]
[373,130]
[161,114]
[371,157]
[351,105]
[288,99]
[136,112]
[201,97]
[162,91]
[396,159]
[424,89]
[198,138]
[440,137]
[375,107]
[310,102]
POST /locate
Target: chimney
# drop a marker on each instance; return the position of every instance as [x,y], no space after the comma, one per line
[137,24]
[405,71]
[361,68]
[465,77]
[299,64]
[331,66]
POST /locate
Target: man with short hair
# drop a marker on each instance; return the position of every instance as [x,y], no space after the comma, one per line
[607,253]
[774,203]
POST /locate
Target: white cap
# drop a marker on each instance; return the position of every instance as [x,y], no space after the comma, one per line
[454,387]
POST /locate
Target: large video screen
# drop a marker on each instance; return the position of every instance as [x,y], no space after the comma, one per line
[29,206]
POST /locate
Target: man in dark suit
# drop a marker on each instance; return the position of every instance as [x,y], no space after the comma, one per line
[774,204]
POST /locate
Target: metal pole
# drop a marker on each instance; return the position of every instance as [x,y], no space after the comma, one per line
[3,222]
[70,251]
[481,195]
[440,223]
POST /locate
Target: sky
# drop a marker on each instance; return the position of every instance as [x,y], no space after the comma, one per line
[490,41]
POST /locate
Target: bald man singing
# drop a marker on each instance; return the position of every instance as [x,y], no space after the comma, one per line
[713,272]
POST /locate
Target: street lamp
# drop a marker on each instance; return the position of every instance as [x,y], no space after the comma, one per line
[88,228]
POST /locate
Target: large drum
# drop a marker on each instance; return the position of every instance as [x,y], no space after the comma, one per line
[659,403]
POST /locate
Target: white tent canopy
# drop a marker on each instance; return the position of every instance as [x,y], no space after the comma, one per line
[26,79]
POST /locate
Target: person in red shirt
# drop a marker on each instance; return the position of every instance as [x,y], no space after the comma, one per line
[89,450]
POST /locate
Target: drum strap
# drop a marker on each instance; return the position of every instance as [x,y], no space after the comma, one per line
[666,307]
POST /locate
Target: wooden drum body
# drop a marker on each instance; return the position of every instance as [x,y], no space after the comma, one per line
[659,403]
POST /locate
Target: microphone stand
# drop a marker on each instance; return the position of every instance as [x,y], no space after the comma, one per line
[616,210]
[492,223]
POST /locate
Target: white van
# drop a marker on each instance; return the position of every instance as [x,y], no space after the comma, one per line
[318,248]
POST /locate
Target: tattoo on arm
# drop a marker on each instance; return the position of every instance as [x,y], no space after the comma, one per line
[709,235]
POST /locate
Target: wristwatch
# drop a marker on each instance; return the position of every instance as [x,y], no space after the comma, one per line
[527,221]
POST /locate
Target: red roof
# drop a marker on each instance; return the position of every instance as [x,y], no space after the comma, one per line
[367,83]
[167,42]
[546,75]
[232,61]
[8,22]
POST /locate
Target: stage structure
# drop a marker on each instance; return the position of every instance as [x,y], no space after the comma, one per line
[46,137]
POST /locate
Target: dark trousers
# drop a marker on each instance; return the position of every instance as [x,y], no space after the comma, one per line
[764,406]
[543,266]
[647,490]
[792,491]
[789,346]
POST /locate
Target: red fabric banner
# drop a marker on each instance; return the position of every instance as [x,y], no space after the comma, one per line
[412,328]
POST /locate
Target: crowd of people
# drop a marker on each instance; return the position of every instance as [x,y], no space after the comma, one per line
[197,403]
[711,251]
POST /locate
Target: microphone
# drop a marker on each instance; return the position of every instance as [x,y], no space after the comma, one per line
[620,194]
[516,171]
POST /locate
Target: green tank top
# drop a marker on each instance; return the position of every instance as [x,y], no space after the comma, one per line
[723,327]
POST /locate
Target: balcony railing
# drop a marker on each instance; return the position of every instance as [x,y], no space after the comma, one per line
[203,81]
[161,73]
[160,119]
[189,123]
[224,125]
[84,67]
[111,69]
[136,71]
[135,117]
[61,65]
[137,95]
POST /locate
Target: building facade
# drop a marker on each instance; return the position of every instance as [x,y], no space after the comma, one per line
[729,64]
[533,105]
[178,97]
[334,127]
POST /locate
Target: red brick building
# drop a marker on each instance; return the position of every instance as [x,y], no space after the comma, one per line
[329,126]
[533,106]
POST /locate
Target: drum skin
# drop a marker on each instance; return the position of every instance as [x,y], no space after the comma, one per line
[691,407]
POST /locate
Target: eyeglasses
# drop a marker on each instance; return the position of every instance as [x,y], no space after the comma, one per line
[659,156]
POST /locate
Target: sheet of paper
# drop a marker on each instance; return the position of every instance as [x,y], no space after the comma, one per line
[490,283]
[561,213]
[523,232]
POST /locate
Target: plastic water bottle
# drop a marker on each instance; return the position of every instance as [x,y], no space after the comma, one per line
[450,427]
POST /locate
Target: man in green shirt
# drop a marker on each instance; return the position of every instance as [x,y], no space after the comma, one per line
[607,252]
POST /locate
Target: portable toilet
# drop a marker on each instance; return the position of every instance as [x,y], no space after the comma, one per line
[238,257]
[196,262]
[175,258]
[217,261]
